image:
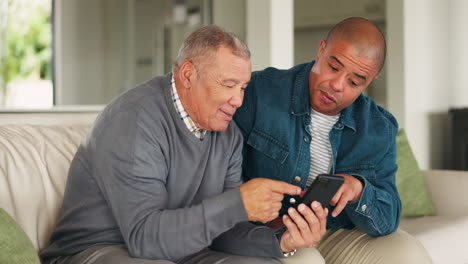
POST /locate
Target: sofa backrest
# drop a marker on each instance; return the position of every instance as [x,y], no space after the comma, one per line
[34,162]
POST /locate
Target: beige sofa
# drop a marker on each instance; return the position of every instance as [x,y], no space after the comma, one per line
[36,149]
[444,235]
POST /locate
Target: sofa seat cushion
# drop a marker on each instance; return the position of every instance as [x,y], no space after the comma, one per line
[444,237]
[34,162]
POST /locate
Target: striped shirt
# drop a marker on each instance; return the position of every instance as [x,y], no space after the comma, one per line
[198,132]
[320,147]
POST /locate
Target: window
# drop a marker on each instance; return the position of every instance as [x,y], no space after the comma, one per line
[86,52]
[25,54]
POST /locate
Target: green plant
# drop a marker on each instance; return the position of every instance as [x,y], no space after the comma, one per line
[26,43]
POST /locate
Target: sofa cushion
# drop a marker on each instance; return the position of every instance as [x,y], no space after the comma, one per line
[15,246]
[448,189]
[34,162]
[444,237]
[414,195]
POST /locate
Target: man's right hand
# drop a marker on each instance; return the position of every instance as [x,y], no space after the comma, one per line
[262,198]
[305,226]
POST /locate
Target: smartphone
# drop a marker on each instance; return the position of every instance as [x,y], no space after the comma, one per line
[322,189]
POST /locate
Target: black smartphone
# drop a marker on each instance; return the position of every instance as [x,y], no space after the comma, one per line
[322,189]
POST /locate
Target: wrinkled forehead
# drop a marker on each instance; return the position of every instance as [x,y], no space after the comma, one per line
[354,60]
[226,65]
[369,46]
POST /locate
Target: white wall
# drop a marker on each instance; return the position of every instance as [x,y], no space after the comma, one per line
[427,63]
[143,39]
[231,15]
[306,43]
[89,51]
[426,66]
[113,53]
[104,47]
[270,33]
[394,61]
[458,52]
[73,82]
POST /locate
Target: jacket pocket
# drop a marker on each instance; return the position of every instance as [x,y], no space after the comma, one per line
[264,156]
[365,171]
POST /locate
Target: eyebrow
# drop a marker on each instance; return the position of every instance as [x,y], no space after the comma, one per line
[234,81]
[230,80]
[339,62]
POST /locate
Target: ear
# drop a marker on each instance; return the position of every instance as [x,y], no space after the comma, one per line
[186,74]
[322,45]
[321,48]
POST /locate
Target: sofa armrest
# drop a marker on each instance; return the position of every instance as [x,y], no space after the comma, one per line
[449,191]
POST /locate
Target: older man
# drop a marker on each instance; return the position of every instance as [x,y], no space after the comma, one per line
[158,177]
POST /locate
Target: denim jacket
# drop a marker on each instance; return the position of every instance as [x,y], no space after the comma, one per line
[275,121]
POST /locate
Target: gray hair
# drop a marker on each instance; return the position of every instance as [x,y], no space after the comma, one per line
[205,42]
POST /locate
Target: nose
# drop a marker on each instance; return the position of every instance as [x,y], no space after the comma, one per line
[237,98]
[337,83]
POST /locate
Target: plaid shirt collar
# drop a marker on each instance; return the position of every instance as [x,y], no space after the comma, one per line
[199,133]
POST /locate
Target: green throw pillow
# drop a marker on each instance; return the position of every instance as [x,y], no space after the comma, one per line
[410,182]
[15,246]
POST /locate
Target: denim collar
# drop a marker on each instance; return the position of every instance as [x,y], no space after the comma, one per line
[300,104]
[348,115]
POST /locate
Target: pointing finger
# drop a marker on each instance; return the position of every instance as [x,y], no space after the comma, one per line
[283,187]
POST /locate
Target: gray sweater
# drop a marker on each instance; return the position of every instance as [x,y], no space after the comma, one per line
[141,178]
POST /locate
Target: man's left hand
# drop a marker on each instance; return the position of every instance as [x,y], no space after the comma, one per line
[350,191]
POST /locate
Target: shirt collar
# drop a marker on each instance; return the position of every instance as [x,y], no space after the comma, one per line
[198,132]
[300,104]
[348,115]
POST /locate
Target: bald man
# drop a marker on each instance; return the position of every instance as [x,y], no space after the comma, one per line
[313,119]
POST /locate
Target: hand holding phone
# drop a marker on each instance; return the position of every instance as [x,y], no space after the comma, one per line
[322,189]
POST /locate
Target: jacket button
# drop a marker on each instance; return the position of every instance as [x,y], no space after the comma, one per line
[306,139]
[364,207]
[297,179]
[292,201]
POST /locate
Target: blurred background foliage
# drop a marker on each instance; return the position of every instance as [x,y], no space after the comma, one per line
[25,41]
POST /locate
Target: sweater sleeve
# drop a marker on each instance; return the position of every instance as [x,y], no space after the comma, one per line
[249,239]
[132,169]
[234,171]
